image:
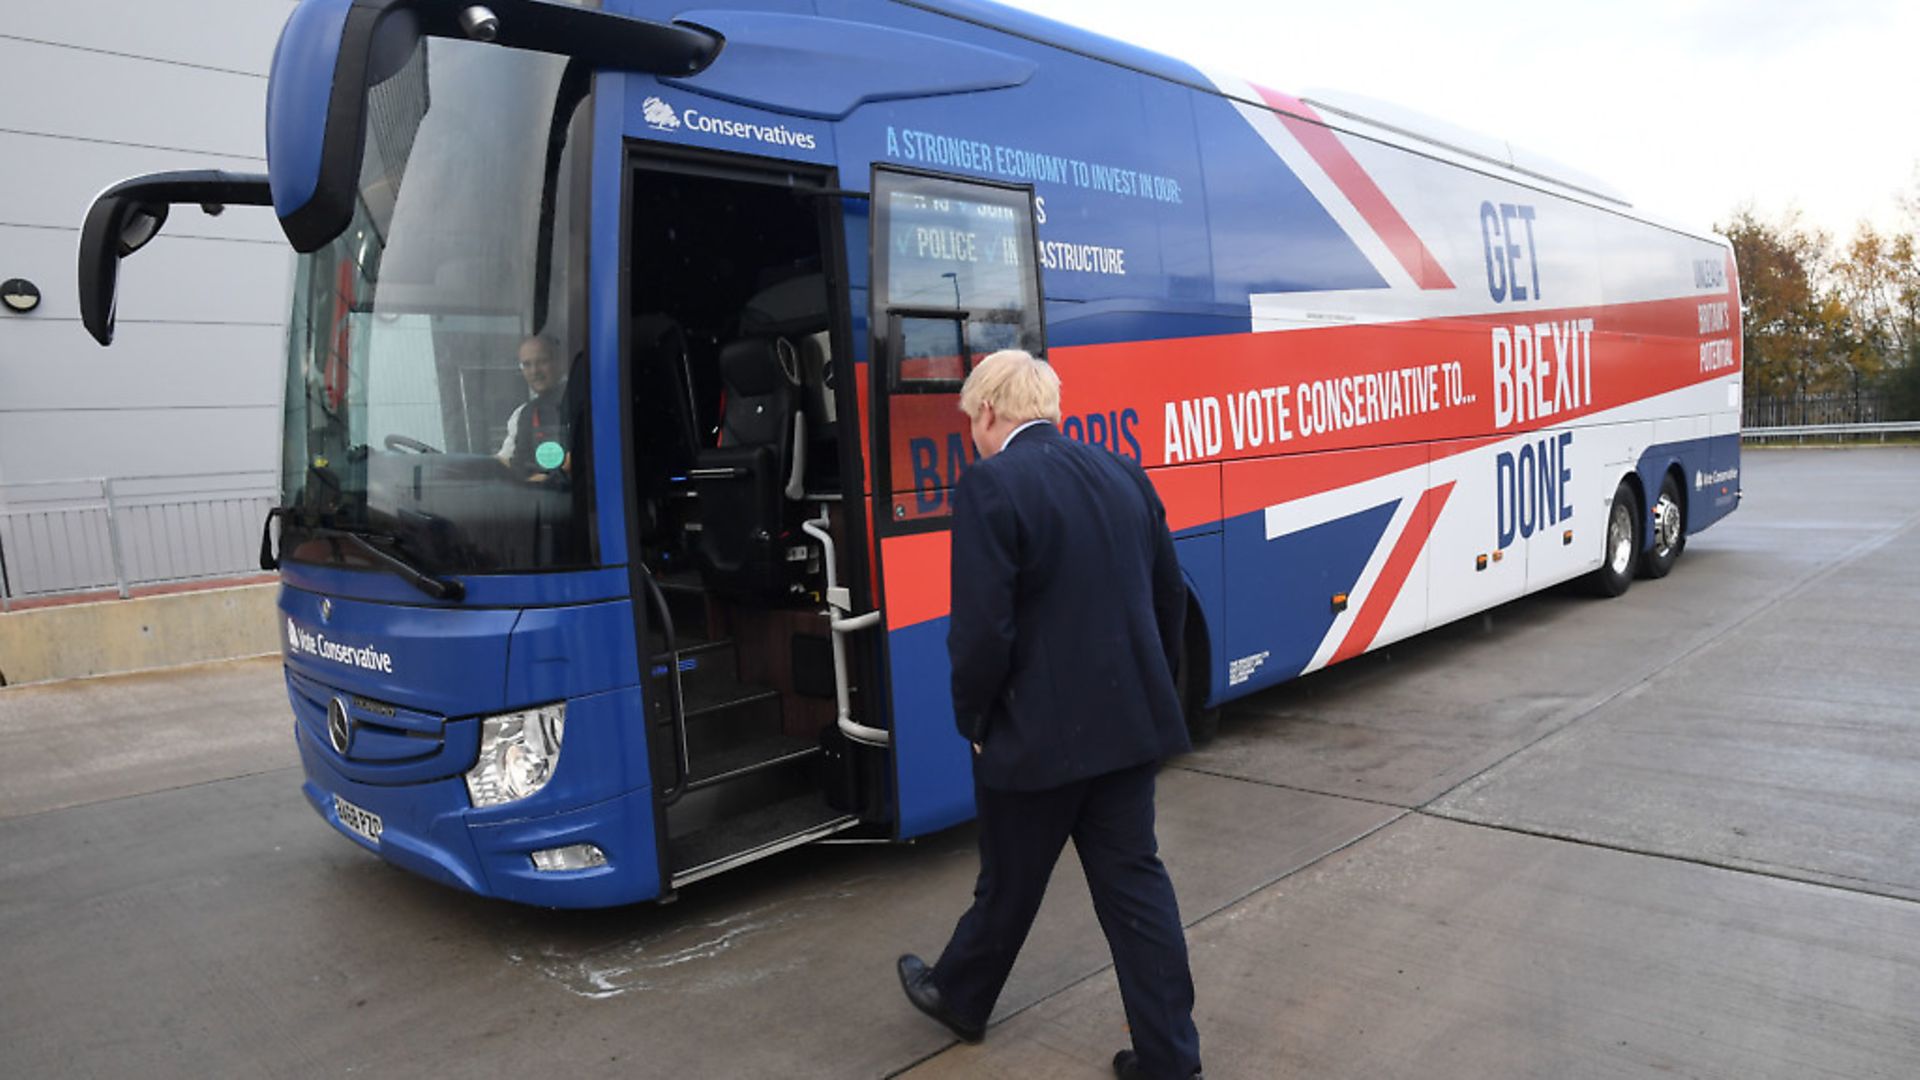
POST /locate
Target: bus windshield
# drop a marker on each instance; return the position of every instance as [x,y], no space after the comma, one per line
[436,385]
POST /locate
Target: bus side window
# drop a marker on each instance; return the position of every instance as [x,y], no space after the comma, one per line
[956,263]
[932,354]
[955,278]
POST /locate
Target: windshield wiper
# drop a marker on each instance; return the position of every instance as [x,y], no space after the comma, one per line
[436,587]
[369,544]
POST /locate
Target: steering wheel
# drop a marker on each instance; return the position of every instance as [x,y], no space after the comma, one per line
[402,442]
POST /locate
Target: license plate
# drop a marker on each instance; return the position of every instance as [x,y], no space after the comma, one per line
[363,822]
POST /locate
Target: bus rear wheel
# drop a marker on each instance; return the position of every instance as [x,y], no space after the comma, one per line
[1669,531]
[1620,558]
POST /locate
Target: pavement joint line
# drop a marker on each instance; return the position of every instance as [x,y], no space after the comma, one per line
[921,1060]
[1258,782]
[1191,923]
[1427,810]
[109,801]
[1660,668]
[1635,686]
[1277,879]
[1667,856]
[1406,812]
[1860,548]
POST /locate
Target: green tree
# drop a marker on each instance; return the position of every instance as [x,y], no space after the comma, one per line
[1898,305]
[1787,323]
[1878,280]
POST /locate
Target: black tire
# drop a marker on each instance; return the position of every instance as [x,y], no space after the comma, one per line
[1620,544]
[1202,723]
[1669,531]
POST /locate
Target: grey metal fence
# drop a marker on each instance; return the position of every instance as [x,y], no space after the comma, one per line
[72,536]
[1866,406]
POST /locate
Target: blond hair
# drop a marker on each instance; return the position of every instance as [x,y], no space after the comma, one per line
[1018,385]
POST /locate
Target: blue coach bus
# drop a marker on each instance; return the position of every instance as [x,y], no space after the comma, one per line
[622,372]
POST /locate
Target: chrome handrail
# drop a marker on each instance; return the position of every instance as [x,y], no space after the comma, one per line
[842,623]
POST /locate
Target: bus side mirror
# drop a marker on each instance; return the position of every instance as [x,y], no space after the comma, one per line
[332,52]
[126,216]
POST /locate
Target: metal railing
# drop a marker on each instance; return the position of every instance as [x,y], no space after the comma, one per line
[92,535]
[1859,406]
[1822,431]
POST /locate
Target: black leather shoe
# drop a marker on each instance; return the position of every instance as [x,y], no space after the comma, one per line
[1126,1066]
[916,978]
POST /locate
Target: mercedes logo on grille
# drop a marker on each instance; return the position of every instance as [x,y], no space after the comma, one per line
[339,726]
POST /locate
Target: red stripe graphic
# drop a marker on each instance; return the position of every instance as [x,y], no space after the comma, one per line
[919,578]
[1352,180]
[1393,576]
[1638,351]
[1250,486]
[1191,494]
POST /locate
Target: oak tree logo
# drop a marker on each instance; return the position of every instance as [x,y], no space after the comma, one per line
[659,115]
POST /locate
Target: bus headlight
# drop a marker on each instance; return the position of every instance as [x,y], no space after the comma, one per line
[518,752]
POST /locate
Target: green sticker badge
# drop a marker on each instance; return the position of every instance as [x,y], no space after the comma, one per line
[549,455]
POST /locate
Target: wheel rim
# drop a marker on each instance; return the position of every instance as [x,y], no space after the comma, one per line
[1620,537]
[1666,525]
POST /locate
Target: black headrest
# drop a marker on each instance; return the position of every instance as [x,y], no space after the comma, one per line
[750,367]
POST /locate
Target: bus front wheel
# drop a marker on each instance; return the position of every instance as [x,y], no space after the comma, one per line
[1669,531]
[1621,556]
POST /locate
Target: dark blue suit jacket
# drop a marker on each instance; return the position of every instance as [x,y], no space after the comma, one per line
[1068,606]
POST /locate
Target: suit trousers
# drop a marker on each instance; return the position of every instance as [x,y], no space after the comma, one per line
[1110,819]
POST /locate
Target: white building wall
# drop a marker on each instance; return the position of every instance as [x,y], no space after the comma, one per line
[99,90]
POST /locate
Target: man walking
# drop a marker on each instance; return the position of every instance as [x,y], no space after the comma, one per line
[1068,606]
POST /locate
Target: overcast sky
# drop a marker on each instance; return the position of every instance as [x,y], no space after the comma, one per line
[1688,107]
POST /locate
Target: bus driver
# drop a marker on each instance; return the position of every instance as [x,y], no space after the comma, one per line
[536,446]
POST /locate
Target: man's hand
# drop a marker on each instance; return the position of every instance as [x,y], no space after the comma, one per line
[976,748]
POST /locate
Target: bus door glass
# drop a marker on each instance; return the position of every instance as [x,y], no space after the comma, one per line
[954,278]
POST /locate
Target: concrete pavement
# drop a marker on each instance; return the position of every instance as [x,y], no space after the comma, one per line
[1664,834]
[1672,833]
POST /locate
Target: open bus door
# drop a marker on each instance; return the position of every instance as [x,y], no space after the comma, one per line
[955,277]
[736,312]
